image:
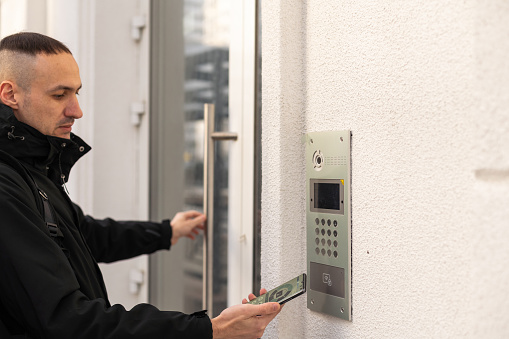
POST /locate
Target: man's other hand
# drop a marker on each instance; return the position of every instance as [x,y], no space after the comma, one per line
[187,224]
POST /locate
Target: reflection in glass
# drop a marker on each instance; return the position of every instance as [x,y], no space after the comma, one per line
[206,39]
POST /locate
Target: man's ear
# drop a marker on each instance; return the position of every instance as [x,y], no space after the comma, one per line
[7,91]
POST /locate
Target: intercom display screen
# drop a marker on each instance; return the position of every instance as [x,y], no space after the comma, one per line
[327,196]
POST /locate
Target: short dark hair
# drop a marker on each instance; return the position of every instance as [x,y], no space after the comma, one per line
[18,53]
[32,44]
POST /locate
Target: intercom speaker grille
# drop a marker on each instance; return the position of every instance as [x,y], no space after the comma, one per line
[335,161]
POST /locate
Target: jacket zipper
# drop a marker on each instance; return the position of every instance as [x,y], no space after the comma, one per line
[62,175]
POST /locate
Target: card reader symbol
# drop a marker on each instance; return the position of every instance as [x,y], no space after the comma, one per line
[326,279]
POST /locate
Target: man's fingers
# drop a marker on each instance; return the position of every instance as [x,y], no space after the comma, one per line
[264,309]
[191,213]
[194,215]
[197,221]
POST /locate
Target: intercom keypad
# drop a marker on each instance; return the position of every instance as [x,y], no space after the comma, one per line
[326,237]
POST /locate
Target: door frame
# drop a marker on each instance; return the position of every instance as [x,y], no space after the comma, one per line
[242,103]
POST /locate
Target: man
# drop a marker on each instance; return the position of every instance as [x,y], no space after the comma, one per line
[51,289]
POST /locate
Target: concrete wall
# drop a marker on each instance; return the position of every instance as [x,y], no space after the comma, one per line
[424,88]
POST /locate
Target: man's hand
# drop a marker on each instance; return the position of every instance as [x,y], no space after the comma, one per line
[187,224]
[244,321]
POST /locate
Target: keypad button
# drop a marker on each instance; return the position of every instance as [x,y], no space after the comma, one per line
[317,221]
[328,222]
[323,222]
[335,254]
[317,250]
[323,232]
[329,242]
[335,223]
[323,251]
[335,243]
[329,233]
[317,241]
[329,253]
[335,233]
[323,242]
[317,231]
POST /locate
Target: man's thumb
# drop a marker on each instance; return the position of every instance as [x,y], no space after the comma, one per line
[268,308]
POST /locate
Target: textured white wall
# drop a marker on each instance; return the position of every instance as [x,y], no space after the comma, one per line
[424,87]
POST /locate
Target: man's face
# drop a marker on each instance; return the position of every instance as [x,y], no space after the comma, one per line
[51,104]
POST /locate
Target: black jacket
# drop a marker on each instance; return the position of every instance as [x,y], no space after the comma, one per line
[47,294]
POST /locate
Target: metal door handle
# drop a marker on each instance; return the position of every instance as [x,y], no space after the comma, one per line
[208,201]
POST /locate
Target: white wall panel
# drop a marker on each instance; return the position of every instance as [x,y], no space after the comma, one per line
[120,149]
[13,16]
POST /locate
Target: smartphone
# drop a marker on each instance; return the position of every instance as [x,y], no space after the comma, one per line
[284,292]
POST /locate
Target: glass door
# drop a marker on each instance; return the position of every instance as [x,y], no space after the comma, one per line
[195,156]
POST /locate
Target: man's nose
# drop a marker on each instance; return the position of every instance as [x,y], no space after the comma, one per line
[73,109]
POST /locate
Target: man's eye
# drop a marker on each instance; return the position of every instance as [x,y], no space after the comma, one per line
[58,96]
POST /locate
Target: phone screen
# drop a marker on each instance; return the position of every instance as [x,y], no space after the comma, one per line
[284,292]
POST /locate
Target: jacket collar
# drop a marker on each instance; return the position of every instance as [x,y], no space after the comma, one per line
[50,155]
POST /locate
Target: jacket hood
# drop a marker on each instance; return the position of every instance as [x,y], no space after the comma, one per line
[50,155]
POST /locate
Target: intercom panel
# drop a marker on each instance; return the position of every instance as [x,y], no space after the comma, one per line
[328,223]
